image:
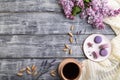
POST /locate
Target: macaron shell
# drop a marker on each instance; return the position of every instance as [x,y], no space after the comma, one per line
[98,39]
[103,52]
[96,47]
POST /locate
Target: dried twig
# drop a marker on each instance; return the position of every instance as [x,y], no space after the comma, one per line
[44,68]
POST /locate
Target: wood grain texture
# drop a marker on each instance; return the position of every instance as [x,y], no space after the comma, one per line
[35,30]
[9,68]
[29,6]
[44,23]
[24,46]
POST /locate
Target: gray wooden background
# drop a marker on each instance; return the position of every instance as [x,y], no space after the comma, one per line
[35,30]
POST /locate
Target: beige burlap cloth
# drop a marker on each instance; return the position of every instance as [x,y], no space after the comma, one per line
[110,68]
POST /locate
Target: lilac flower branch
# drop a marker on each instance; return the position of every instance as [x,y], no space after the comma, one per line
[93,10]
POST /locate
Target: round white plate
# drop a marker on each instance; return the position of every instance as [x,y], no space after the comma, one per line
[95,47]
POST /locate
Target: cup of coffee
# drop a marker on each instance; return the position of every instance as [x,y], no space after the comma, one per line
[70,69]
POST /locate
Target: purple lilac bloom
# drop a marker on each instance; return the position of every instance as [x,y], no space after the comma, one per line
[83,14]
[94,13]
[67,7]
[80,3]
[97,11]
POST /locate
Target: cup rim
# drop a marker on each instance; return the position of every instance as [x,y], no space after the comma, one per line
[66,61]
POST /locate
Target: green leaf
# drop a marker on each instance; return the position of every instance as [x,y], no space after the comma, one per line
[76,10]
[87,1]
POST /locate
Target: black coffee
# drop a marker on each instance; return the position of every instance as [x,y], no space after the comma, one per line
[71,71]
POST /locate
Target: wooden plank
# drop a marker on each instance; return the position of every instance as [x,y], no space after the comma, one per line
[9,68]
[40,46]
[29,5]
[44,23]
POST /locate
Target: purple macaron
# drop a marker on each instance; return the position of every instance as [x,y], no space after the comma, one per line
[97,39]
[103,52]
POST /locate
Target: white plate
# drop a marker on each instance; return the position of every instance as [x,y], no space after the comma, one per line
[88,50]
